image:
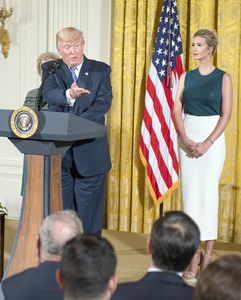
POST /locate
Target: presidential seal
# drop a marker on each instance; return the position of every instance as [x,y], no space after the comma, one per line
[24,122]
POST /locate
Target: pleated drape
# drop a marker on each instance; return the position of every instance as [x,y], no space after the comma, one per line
[129,206]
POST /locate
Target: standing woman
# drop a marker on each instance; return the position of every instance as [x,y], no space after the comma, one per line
[204,95]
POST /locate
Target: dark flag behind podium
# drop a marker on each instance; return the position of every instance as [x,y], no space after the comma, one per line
[158,142]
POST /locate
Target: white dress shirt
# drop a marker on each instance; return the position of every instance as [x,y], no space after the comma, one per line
[71,100]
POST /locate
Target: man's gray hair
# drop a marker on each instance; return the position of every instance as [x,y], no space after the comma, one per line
[57,229]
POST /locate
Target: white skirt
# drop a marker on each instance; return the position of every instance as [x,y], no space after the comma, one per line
[200,176]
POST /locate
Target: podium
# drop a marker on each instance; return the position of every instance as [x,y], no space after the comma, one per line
[42,177]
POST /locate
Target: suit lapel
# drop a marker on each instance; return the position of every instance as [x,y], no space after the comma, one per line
[84,79]
[66,75]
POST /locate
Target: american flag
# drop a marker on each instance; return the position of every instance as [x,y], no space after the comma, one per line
[158,142]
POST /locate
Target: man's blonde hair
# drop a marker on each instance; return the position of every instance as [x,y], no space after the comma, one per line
[69,34]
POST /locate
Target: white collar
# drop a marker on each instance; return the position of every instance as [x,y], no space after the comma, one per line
[155,269]
[78,68]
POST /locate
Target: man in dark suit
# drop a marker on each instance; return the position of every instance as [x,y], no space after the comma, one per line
[81,86]
[87,269]
[39,283]
[174,240]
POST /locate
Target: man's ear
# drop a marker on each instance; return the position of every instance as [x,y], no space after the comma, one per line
[59,278]
[148,246]
[112,284]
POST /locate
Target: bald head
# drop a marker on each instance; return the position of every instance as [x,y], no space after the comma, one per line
[56,230]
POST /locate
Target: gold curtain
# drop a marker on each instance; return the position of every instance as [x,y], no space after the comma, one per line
[130,207]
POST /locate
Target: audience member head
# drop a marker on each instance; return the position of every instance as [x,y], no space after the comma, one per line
[175,237]
[88,269]
[70,44]
[55,231]
[221,280]
[44,57]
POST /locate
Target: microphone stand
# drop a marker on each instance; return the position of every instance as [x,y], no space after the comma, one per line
[52,69]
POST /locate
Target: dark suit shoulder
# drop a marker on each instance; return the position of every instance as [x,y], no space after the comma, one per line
[28,273]
[170,285]
[96,64]
[31,273]
[34,283]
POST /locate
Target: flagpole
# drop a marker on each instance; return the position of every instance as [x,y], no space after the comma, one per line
[161,210]
[169,71]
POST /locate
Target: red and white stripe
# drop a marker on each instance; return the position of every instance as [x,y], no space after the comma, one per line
[158,143]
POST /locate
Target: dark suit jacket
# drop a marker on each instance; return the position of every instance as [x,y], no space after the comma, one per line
[154,286]
[37,283]
[91,157]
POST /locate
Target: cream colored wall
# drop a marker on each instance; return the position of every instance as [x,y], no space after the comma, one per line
[32,31]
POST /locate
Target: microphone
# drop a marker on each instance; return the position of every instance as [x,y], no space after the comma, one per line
[51,70]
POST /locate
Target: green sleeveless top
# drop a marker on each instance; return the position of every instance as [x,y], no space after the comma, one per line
[202,94]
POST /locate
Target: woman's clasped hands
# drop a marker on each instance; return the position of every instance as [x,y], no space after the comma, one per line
[196,149]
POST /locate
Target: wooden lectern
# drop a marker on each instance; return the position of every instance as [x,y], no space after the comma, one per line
[42,183]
